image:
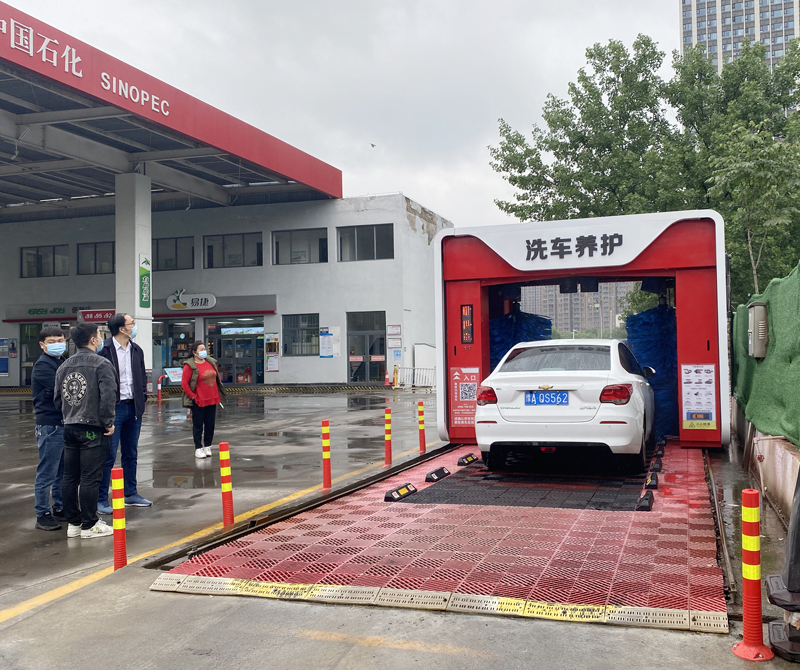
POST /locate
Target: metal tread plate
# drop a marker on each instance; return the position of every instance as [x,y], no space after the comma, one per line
[565,611]
[708,622]
[167,582]
[206,585]
[428,600]
[462,602]
[648,617]
[357,595]
[252,587]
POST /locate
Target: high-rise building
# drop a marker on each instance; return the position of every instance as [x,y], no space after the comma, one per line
[577,311]
[723,25]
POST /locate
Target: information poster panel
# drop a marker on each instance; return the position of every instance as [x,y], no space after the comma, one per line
[699,396]
[463,396]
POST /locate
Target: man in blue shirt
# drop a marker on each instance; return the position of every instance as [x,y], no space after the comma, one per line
[49,430]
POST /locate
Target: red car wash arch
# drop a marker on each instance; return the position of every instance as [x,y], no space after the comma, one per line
[688,247]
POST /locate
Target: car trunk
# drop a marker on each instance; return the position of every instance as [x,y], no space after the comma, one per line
[583,390]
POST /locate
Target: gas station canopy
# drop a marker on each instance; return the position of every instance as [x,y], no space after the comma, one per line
[73,117]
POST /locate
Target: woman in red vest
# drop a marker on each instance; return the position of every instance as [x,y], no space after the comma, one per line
[202,392]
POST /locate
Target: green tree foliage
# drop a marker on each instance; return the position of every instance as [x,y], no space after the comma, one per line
[636,301]
[625,141]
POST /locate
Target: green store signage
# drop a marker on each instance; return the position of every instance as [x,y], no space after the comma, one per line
[35,311]
[144,281]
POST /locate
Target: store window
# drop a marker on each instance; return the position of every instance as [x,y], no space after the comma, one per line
[96,258]
[290,247]
[301,335]
[29,349]
[366,243]
[173,253]
[233,251]
[172,341]
[44,261]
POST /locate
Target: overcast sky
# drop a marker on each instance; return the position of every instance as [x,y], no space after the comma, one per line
[423,80]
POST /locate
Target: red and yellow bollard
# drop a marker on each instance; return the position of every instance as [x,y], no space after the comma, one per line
[118,518]
[326,456]
[226,483]
[752,647]
[421,416]
[387,438]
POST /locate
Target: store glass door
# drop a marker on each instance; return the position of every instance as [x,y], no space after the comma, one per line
[366,346]
[240,359]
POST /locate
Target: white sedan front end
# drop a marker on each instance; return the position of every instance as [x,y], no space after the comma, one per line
[565,394]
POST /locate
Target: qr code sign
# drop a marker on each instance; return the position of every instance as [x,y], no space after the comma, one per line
[468,391]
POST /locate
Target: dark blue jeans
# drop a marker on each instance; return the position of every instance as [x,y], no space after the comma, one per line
[50,470]
[126,436]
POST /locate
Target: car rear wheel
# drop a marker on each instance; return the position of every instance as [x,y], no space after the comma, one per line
[637,463]
[494,459]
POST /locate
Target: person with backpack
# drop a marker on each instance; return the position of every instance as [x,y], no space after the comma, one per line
[202,392]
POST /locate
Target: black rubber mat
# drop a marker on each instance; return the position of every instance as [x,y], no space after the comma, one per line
[475,485]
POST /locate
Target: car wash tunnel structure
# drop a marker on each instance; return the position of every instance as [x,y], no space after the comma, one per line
[441,532]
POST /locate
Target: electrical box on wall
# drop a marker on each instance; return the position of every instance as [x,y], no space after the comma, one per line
[757,330]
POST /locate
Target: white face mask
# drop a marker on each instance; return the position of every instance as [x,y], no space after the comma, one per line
[202,354]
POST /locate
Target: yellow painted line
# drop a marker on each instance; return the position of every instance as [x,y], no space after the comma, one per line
[71,587]
[390,643]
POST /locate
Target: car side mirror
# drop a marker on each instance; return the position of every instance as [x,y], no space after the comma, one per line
[648,372]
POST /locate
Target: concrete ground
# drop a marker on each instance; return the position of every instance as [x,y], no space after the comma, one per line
[275,449]
[60,600]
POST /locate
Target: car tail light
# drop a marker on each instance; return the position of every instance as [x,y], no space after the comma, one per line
[617,394]
[486,396]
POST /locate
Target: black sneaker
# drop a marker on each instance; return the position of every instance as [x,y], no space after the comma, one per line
[47,522]
[58,514]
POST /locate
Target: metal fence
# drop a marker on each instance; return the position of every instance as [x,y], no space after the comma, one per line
[423,377]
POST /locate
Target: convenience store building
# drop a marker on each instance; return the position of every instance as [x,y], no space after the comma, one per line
[120,193]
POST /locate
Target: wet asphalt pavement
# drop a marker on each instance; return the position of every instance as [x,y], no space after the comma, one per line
[275,446]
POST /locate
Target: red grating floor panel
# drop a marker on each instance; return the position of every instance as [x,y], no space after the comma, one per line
[664,559]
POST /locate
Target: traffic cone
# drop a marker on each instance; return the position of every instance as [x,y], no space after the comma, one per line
[386,381]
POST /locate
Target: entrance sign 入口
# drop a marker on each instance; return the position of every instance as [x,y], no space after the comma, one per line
[464,382]
[699,396]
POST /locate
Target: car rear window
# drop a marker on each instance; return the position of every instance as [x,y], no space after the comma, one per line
[557,358]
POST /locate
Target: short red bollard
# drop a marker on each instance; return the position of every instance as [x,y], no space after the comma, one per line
[326,456]
[226,483]
[752,647]
[421,415]
[159,389]
[387,438]
[118,518]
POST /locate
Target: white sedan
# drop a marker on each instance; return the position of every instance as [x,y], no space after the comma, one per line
[566,394]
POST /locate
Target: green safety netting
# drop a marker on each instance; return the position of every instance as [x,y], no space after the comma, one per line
[769,390]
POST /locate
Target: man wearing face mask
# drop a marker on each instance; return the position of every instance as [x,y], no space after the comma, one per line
[85,392]
[49,430]
[128,360]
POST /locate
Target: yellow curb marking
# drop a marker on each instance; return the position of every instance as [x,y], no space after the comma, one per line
[71,587]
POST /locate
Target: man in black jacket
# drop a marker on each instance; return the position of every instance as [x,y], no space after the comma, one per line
[49,430]
[86,392]
[128,360]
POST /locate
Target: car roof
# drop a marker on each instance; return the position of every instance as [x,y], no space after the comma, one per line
[566,342]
